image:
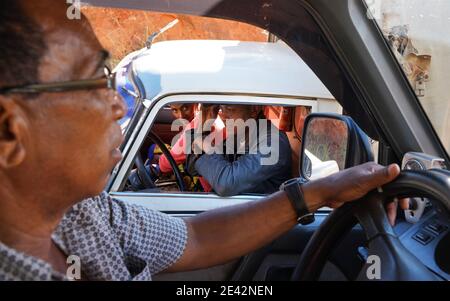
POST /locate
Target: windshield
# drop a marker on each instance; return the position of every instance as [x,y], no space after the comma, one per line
[418,33]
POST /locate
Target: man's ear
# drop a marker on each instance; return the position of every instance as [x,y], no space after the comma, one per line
[12,131]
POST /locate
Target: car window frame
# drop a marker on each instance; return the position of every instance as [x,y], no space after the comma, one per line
[381,105]
[205,201]
[391,87]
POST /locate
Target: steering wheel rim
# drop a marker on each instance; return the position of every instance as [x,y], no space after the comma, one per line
[397,263]
[144,175]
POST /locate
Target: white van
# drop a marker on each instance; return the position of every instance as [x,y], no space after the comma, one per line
[212,71]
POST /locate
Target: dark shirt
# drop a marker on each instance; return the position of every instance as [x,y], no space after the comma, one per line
[261,171]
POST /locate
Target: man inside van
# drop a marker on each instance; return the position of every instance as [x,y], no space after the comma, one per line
[255,156]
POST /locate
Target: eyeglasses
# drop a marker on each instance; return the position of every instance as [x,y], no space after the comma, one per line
[105,82]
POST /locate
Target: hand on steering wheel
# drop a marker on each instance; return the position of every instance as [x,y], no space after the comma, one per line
[348,185]
[397,263]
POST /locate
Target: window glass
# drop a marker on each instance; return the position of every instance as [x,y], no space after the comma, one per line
[418,34]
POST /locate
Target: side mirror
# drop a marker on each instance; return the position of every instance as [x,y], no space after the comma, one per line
[332,143]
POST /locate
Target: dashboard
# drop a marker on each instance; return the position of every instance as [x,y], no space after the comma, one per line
[429,240]
[425,229]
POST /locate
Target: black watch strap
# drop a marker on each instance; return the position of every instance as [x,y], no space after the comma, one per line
[295,194]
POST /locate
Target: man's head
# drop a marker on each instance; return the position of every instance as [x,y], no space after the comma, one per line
[53,145]
[184,110]
[209,111]
[243,112]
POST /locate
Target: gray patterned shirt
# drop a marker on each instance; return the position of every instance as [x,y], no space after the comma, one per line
[113,240]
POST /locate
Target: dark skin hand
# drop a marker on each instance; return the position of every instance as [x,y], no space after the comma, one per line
[46,168]
[218,236]
[235,112]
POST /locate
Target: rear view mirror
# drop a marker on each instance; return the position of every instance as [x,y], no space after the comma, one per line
[332,143]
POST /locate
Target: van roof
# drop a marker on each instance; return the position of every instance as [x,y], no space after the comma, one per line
[212,66]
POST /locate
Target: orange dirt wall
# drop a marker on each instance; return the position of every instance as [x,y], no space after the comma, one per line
[122,31]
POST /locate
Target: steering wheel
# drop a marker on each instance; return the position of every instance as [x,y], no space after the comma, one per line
[396,262]
[144,174]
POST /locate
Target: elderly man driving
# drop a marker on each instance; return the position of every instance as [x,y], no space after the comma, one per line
[59,140]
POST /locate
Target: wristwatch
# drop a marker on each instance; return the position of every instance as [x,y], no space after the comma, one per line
[293,189]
